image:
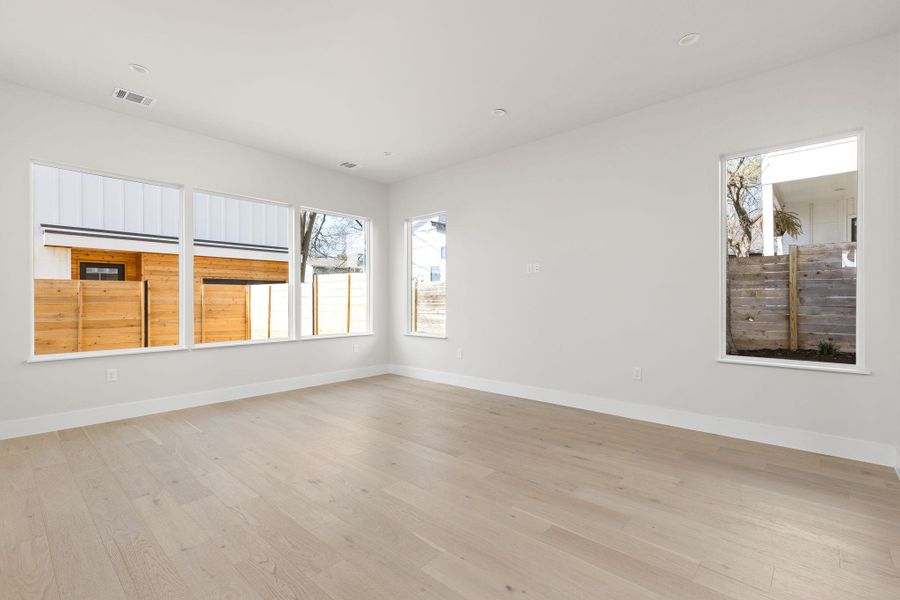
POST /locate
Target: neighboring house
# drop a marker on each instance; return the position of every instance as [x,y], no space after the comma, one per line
[819,184]
[91,227]
[430,243]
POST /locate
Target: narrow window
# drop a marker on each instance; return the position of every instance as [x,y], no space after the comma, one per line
[427,268]
[106,255]
[242,258]
[791,237]
[334,274]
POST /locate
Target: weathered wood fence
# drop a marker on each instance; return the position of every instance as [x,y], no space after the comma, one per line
[794,301]
[429,308]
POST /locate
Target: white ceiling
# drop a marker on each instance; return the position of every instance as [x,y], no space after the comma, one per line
[329,81]
[827,188]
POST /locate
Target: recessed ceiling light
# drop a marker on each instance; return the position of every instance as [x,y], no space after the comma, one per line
[499,112]
[139,69]
[689,39]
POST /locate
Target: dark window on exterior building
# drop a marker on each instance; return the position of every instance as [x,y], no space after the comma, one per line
[101,271]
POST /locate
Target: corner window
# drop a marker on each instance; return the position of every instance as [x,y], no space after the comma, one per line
[791,253]
[427,269]
[334,274]
[106,255]
[242,266]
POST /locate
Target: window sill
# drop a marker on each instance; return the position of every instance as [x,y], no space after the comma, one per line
[426,335]
[333,336]
[795,364]
[39,358]
[239,343]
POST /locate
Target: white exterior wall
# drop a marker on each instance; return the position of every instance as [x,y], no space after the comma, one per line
[823,221]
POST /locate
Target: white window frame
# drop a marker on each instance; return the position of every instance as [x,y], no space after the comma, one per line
[367,232]
[407,228]
[292,278]
[723,356]
[37,358]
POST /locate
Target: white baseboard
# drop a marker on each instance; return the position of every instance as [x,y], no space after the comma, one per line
[897,461]
[799,439]
[104,414]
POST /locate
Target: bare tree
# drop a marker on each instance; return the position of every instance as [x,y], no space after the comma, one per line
[307,223]
[743,218]
[743,197]
[326,236]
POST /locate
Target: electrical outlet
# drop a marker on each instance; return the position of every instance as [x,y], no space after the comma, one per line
[537,267]
[355,348]
[637,374]
[459,353]
[112,375]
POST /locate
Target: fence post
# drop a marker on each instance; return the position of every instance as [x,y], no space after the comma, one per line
[248,332]
[349,282]
[202,312]
[415,306]
[80,317]
[315,315]
[793,298]
[269,324]
[145,334]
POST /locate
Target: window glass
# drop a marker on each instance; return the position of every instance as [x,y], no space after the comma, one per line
[334,271]
[241,269]
[106,255]
[427,252]
[791,253]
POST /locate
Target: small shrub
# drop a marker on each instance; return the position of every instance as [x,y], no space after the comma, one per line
[827,349]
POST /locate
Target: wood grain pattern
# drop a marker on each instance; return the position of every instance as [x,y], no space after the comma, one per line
[794,300]
[390,488]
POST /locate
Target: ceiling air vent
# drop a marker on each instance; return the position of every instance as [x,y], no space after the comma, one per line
[129,96]
[348,165]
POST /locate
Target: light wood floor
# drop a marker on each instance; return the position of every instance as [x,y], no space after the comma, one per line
[390,488]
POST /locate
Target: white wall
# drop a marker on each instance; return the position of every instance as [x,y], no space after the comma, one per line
[38,126]
[637,197]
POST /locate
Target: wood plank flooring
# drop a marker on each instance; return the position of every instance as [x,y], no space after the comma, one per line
[391,488]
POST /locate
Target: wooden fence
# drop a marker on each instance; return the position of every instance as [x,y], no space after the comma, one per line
[337,304]
[80,316]
[429,308]
[794,301]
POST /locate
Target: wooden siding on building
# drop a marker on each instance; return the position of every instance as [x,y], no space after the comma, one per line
[161,273]
[222,302]
[131,260]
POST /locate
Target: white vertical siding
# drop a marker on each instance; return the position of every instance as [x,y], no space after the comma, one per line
[69,198]
[171,211]
[241,221]
[91,202]
[75,199]
[114,204]
[134,206]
